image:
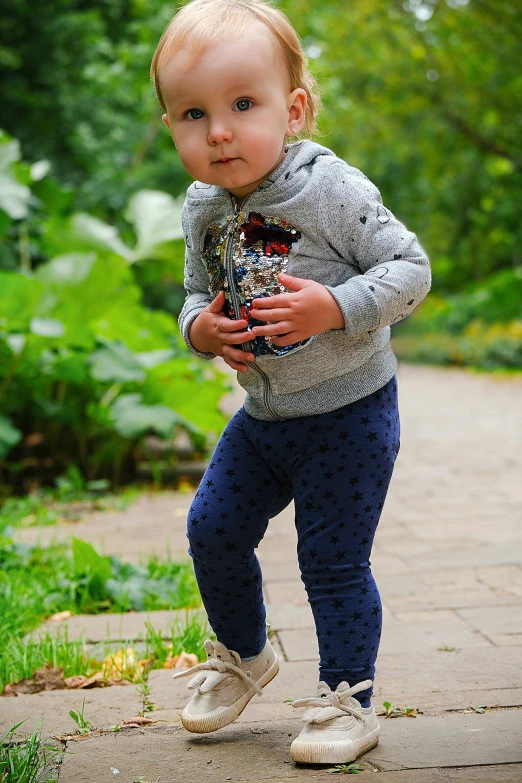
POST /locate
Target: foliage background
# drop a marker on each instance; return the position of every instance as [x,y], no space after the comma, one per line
[422,95]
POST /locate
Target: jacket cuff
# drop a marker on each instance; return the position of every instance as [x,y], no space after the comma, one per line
[185,328]
[358,305]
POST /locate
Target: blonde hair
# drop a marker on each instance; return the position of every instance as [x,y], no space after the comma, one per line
[201,21]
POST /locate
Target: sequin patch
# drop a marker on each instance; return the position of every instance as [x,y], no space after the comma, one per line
[260,252]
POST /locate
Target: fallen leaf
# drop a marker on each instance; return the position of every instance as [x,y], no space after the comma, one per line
[183,661]
[139,720]
[59,617]
[47,678]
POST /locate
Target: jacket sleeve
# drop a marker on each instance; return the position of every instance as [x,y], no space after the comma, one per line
[196,283]
[395,272]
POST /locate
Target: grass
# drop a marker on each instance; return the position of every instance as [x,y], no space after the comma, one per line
[78,716]
[48,505]
[20,659]
[24,762]
[37,582]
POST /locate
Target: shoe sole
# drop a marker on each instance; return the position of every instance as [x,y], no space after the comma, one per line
[218,719]
[332,752]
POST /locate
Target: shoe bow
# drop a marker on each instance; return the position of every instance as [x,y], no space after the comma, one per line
[330,704]
[221,663]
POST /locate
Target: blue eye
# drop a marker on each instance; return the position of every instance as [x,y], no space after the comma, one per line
[244,104]
[191,112]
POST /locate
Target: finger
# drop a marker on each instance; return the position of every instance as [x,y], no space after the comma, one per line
[281,327]
[288,339]
[237,355]
[266,302]
[236,365]
[294,283]
[228,325]
[271,315]
[235,338]
[216,304]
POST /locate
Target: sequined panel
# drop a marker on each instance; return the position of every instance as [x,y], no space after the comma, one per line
[260,251]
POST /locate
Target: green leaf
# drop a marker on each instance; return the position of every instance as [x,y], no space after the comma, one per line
[47,327]
[9,151]
[14,197]
[92,231]
[40,169]
[151,359]
[156,217]
[133,418]
[9,436]
[116,364]
[19,297]
[69,269]
[87,562]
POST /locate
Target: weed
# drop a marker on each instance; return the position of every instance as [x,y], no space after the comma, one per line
[396,712]
[84,726]
[445,648]
[348,769]
[145,691]
[23,762]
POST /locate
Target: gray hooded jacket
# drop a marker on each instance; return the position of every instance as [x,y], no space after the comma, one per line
[318,218]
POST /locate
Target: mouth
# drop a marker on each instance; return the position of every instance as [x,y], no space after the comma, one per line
[225,160]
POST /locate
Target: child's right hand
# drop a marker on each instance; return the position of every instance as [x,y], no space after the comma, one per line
[213,332]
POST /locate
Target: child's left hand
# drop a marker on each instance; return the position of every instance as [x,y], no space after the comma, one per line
[309,309]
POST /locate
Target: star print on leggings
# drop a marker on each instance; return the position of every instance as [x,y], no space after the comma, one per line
[337,468]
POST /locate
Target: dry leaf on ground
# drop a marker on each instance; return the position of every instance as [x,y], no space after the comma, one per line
[182,661]
[139,720]
[59,617]
[47,678]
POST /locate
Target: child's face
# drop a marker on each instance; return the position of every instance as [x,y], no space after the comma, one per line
[229,113]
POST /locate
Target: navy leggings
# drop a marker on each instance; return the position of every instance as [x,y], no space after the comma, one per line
[336,467]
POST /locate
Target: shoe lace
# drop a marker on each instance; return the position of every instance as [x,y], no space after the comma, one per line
[333,699]
[224,667]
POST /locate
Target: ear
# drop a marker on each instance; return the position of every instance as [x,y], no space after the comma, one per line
[296,111]
[165,119]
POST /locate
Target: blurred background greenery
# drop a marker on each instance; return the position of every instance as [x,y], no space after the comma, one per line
[422,95]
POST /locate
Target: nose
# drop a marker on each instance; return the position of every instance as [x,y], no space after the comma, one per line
[219,132]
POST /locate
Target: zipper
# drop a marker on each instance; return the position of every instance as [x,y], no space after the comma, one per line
[236,304]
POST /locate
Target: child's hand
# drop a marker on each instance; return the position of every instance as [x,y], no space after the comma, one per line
[309,309]
[213,332]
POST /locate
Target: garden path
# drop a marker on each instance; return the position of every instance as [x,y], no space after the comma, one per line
[447,558]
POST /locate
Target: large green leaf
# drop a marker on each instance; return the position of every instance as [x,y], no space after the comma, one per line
[194,392]
[69,269]
[9,436]
[116,364]
[47,327]
[88,563]
[156,217]
[133,418]
[140,329]
[19,297]
[92,231]
[14,197]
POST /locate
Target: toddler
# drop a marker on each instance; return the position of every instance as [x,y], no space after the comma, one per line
[294,273]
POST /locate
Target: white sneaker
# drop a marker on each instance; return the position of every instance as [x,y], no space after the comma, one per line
[337,729]
[224,685]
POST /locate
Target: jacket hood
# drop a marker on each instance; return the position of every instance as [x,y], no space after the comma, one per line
[298,155]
